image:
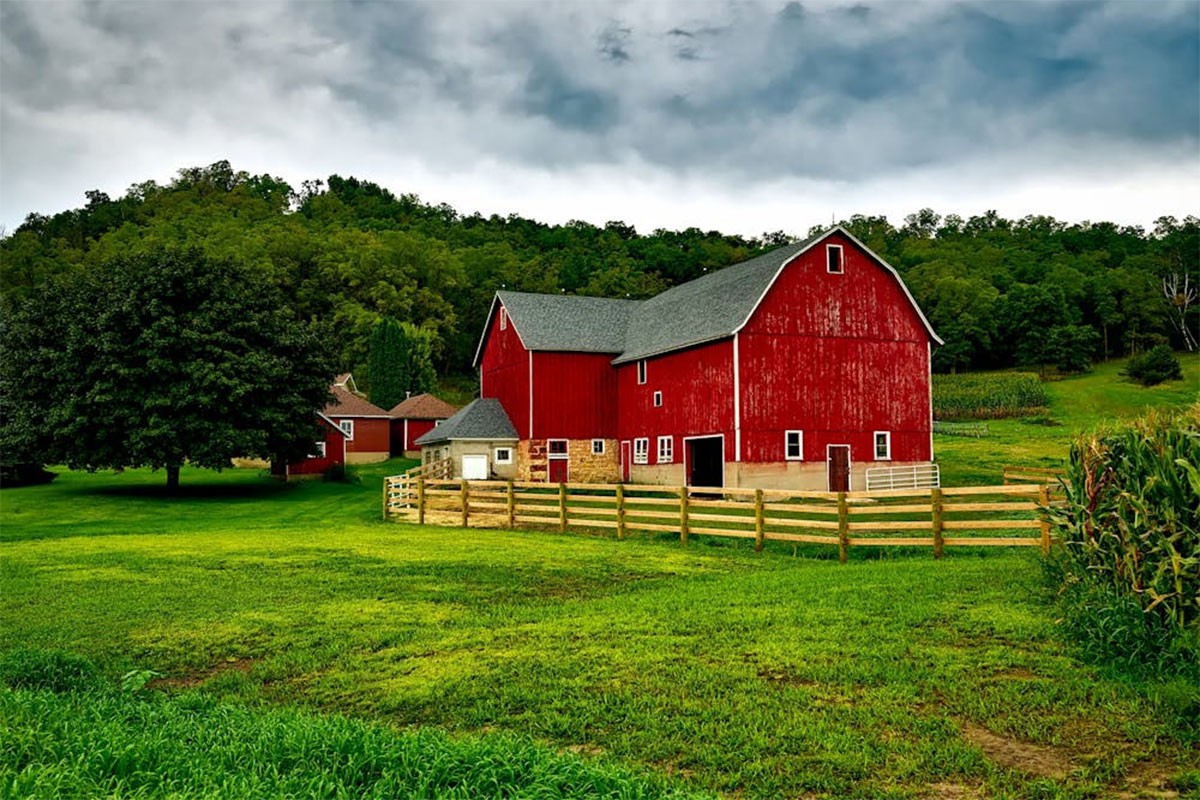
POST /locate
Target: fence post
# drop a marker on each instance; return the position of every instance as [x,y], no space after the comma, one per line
[1044,501]
[758,520]
[421,500]
[620,511]
[512,508]
[843,527]
[562,508]
[385,498]
[683,515]
[466,502]
[935,497]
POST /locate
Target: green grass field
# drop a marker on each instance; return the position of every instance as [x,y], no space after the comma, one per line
[323,652]
[1077,403]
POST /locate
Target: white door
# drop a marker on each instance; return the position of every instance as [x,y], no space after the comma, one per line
[475,468]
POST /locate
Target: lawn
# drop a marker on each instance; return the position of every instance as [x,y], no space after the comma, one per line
[309,649]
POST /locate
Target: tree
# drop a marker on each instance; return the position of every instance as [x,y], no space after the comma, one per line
[160,359]
[386,367]
[417,359]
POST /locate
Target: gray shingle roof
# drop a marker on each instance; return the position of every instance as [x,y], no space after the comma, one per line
[480,419]
[703,310]
[569,322]
[707,308]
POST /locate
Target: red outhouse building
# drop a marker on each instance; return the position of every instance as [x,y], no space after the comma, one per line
[797,369]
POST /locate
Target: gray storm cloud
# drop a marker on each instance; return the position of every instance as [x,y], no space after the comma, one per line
[745,91]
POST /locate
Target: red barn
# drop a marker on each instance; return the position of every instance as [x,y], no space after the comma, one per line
[799,368]
[329,453]
[414,417]
[367,426]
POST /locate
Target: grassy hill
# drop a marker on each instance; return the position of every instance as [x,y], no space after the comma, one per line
[308,648]
[1077,403]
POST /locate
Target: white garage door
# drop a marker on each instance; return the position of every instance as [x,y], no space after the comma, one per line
[475,468]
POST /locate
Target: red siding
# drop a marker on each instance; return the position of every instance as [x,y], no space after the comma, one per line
[333,454]
[697,387]
[416,429]
[370,435]
[838,357]
[504,373]
[574,396]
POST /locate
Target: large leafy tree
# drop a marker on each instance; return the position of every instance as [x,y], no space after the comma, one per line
[160,359]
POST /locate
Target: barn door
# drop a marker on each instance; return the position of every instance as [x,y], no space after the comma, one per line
[558,470]
[626,454]
[837,467]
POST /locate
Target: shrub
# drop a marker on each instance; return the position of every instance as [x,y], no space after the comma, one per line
[1154,366]
[1129,571]
[987,395]
[48,669]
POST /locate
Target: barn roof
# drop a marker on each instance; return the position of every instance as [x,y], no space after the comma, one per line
[711,307]
[346,404]
[568,322]
[422,406]
[483,418]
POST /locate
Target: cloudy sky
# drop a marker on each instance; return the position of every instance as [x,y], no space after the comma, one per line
[739,116]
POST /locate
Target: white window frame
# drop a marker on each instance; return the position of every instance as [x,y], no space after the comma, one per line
[503,318]
[641,450]
[565,452]
[641,372]
[841,259]
[666,455]
[887,441]
[319,452]
[658,401]
[598,447]
[347,426]
[496,457]
[787,455]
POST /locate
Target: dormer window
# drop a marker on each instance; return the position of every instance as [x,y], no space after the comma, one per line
[833,258]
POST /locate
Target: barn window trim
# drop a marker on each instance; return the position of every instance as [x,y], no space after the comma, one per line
[641,372]
[884,438]
[503,455]
[503,318]
[641,450]
[658,400]
[666,450]
[557,447]
[598,447]
[834,262]
[788,437]
[347,426]
[318,449]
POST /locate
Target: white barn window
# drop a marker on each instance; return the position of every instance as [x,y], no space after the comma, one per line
[793,445]
[666,449]
[641,451]
[883,445]
[833,257]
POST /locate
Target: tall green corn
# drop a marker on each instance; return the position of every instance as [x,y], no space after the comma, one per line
[1131,522]
[990,395]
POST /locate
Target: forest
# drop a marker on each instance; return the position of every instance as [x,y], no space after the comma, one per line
[345,253]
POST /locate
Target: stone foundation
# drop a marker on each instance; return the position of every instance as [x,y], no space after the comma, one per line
[583,465]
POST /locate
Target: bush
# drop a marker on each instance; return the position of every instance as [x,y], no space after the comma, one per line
[989,395]
[1129,570]
[1154,366]
[48,669]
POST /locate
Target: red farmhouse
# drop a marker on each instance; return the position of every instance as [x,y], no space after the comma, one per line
[329,453]
[414,417]
[367,426]
[799,368]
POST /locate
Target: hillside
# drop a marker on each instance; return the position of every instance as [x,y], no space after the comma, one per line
[1077,403]
[345,252]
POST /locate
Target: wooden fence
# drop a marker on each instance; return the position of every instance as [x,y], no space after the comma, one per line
[973,516]
[1043,475]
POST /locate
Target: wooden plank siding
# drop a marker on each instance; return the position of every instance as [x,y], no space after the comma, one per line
[574,396]
[504,373]
[837,356]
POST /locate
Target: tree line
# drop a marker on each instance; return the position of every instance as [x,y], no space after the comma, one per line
[346,253]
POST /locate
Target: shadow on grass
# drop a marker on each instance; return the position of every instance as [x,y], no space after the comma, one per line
[266,490]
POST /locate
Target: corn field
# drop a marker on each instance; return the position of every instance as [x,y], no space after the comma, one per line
[1131,522]
[987,396]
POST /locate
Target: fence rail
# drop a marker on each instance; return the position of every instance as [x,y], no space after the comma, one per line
[975,516]
[1042,475]
[914,476]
